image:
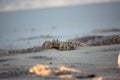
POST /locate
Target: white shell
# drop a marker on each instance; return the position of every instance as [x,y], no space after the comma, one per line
[119,60]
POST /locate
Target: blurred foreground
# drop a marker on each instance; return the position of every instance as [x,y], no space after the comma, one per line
[93,62]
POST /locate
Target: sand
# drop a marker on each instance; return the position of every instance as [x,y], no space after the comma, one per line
[99,61]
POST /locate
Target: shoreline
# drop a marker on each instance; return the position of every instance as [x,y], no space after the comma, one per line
[87,40]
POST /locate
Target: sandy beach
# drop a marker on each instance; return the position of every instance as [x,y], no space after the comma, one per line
[59,39]
[99,61]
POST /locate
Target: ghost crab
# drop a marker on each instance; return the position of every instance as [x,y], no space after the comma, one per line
[56,44]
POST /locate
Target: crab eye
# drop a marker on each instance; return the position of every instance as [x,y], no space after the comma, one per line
[70,42]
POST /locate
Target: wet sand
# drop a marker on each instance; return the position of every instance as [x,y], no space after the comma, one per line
[99,61]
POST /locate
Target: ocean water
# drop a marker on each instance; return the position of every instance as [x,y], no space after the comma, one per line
[23,29]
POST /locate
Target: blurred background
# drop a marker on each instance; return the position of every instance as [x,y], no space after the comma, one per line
[28,23]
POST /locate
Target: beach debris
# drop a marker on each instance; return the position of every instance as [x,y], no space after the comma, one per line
[61,72]
[64,72]
[40,70]
[45,70]
[119,60]
[62,68]
[65,76]
[98,78]
[98,40]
